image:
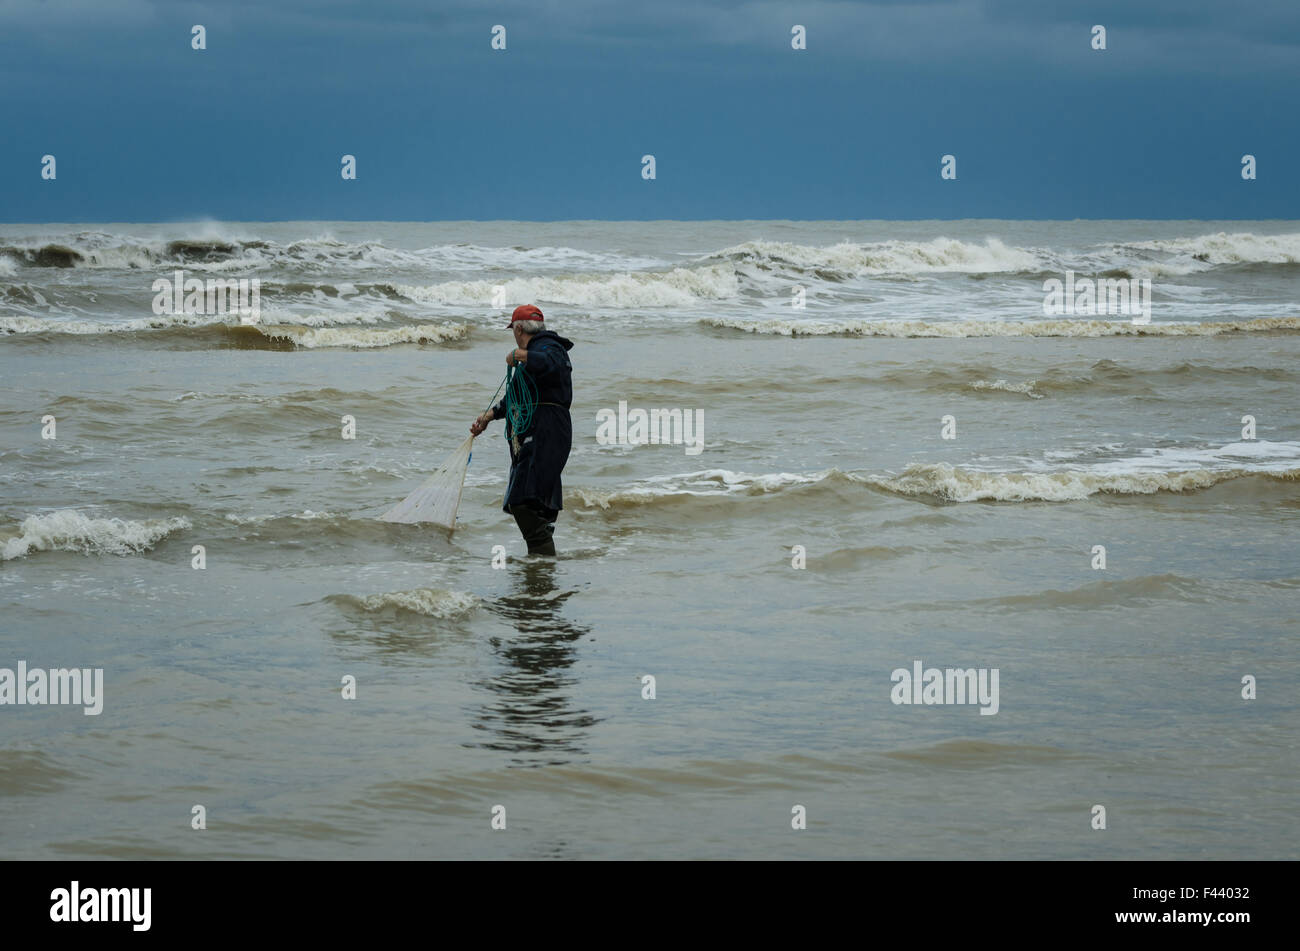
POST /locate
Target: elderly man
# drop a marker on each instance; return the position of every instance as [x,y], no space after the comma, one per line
[538,455]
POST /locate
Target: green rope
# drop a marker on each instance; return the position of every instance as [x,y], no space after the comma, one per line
[521,399]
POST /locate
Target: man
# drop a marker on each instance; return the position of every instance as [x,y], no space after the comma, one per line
[538,455]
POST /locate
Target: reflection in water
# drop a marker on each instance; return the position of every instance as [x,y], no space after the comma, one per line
[532,715]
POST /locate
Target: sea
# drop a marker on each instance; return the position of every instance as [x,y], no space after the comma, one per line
[1055,463]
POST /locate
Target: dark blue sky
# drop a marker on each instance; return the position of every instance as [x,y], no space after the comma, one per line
[146,129]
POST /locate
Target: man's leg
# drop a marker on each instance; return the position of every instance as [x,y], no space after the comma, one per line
[536,524]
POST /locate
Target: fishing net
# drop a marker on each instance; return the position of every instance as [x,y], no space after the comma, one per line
[438,497]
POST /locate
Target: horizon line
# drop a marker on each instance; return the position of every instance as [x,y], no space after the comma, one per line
[431,221]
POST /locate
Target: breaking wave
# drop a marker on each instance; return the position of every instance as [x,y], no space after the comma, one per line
[954,484]
[1144,473]
[680,287]
[201,330]
[93,249]
[70,530]
[1227,249]
[707,483]
[1027,388]
[1159,258]
[846,259]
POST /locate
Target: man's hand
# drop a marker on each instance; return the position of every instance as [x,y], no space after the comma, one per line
[516,356]
[476,428]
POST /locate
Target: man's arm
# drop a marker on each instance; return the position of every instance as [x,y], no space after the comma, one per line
[542,360]
[481,422]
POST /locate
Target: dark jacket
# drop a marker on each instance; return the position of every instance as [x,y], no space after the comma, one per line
[544,448]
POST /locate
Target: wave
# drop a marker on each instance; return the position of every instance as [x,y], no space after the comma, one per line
[680,287]
[1110,375]
[428,602]
[313,338]
[1147,472]
[47,255]
[706,483]
[306,515]
[1228,249]
[94,249]
[950,483]
[844,260]
[70,530]
[1159,258]
[853,559]
[32,773]
[998,328]
[204,330]
[331,529]
[981,754]
[1027,388]
[955,484]
[97,250]
[1257,455]
[45,325]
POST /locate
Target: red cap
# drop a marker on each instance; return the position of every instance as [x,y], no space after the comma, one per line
[525,312]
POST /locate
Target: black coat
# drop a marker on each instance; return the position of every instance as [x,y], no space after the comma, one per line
[544,448]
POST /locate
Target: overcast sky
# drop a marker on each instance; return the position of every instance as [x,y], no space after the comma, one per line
[144,128]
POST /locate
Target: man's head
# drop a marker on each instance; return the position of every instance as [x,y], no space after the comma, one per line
[525,321]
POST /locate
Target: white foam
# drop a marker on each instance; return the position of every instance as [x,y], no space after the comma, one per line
[1222,248]
[892,257]
[680,287]
[1144,472]
[966,485]
[101,250]
[312,339]
[70,530]
[705,482]
[315,330]
[339,319]
[1027,388]
[1257,456]
[38,325]
[306,514]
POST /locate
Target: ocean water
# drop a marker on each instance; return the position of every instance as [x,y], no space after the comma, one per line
[481,684]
